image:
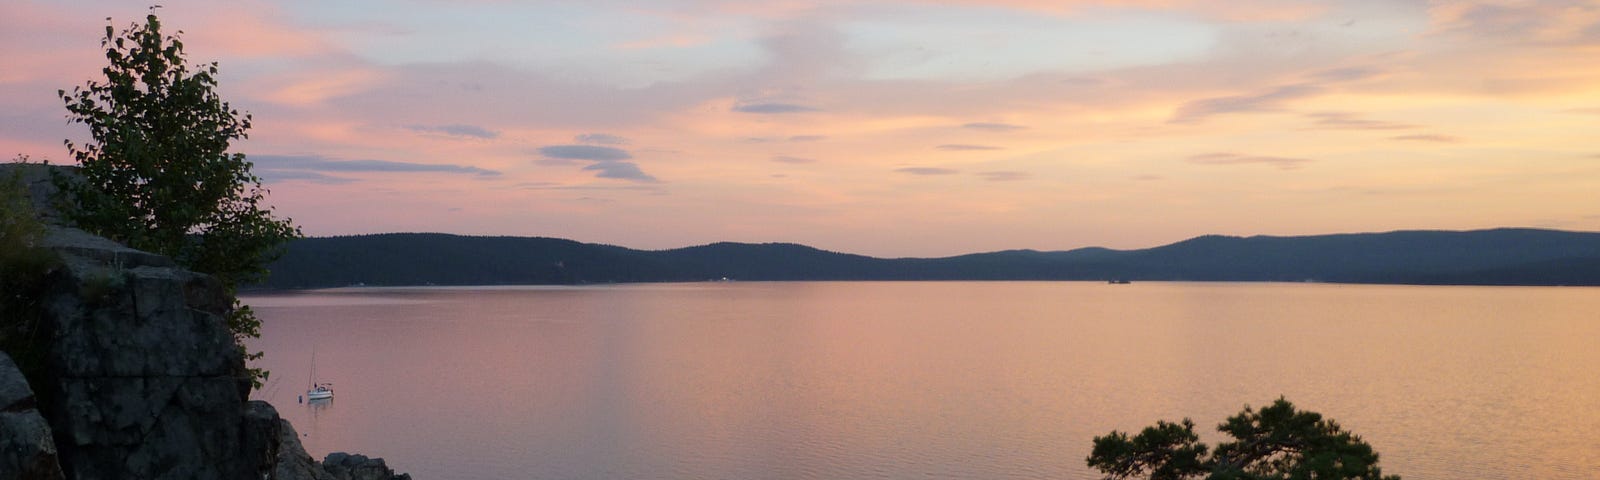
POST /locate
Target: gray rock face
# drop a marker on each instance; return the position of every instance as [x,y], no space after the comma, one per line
[26,450]
[143,379]
[344,466]
[36,179]
[147,380]
[263,431]
[293,463]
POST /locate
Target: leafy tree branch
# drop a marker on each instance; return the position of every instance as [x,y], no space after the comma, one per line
[1276,442]
[158,175]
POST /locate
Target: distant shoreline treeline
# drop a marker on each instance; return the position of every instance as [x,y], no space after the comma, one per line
[1481,257]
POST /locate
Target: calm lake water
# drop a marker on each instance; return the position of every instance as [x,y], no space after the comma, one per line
[987,380]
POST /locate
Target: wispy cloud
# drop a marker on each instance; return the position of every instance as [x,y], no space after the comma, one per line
[1005,176]
[1198,110]
[275,176]
[1284,163]
[927,171]
[707,97]
[586,187]
[455,130]
[1538,23]
[621,171]
[607,162]
[793,160]
[961,148]
[308,167]
[994,127]
[1352,121]
[1346,74]
[1428,138]
[772,108]
[791,138]
[600,139]
[585,152]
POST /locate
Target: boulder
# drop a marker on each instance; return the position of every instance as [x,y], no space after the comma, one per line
[344,466]
[263,431]
[293,463]
[27,451]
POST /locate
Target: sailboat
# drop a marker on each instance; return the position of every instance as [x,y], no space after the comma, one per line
[318,391]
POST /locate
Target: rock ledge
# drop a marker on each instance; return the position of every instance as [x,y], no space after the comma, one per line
[141,378]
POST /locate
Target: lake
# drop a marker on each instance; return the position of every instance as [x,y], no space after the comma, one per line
[991,380]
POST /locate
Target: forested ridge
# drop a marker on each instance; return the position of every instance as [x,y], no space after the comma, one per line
[1480,257]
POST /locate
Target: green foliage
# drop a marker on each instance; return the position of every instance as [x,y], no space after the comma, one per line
[1274,443]
[158,175]
[243,323]
[98,288]
[25,270]
[1168,450]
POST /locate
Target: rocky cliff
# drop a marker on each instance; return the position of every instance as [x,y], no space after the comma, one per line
[26,447]
[139,376]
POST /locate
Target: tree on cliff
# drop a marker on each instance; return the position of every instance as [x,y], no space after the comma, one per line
[158,175]
[1275,443]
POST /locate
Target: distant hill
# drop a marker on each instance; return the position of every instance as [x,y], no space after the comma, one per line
[1482,257]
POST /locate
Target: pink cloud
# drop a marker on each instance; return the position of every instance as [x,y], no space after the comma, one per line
[678,40]
[1283,163]
[232,32]
[308,88]
[1271,100]
[1091,131]
[1435,138]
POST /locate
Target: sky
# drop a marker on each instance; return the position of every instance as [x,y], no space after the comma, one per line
[911,128]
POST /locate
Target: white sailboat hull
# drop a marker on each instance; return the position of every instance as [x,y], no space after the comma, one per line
[319,392]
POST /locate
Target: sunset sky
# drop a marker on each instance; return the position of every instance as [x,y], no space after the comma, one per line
[890,128]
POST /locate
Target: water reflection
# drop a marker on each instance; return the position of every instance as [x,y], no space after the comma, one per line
[317,405]
[947,379]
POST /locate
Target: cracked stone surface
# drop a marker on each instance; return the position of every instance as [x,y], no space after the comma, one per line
[142,379]
[148,383]
[27,451]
